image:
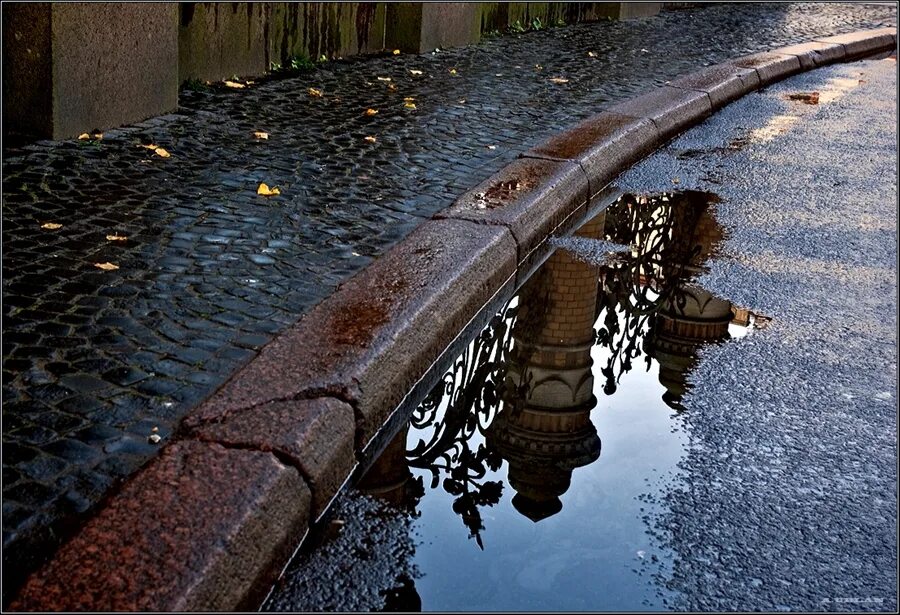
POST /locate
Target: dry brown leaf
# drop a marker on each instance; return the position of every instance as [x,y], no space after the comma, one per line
[234,84]
[116,238]
[106,266]
[314,92]
[810,98]
[261,135]
[559,80]
[51,226]
[370,139]
[264,190]
[371,112]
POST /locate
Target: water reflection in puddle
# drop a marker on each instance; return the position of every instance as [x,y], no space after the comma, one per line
[532,469]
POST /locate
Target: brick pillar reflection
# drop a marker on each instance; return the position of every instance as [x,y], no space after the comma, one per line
[692,316]
[544,431]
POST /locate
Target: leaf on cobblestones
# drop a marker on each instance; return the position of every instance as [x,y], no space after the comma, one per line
[264,190]
[116,238]
[452,71]
[51,226]
[538,67]
[392,87]
[462,101]
[559,80]
[409,99]
[591,54]
[261,135]
[396,52]
[106,266]
[314,92]
[410,105]
[158,150]
[413,71]
[234,84]
[371,112]
[84,136]
[154,438]
[383,78]
[370,139]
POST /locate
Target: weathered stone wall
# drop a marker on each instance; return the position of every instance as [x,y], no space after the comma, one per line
[72,67]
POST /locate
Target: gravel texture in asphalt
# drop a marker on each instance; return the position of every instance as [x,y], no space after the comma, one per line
[788,496]
[98,361]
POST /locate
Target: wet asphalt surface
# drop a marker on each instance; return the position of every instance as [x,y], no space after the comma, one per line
[208,271]
[787,499]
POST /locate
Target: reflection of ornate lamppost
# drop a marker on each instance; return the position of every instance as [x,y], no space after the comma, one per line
[690,316]
[544,430]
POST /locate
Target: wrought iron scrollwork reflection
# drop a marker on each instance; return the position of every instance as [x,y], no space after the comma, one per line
[638,283]
[462,404]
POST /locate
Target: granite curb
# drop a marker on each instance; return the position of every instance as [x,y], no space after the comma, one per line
[215,517]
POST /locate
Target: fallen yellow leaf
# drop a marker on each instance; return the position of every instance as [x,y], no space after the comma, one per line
[106,266]
[51,226]
[264,190]
[559,80]
[370,139]
[409,99]
[261,135]
[83,136]
[314,92]
[410,105]
[452,71]
[413,71]
[591,54]
[162,153]
[396,52]
[383,78]
[371,111]
[97,135]
[116,238]
[234,84]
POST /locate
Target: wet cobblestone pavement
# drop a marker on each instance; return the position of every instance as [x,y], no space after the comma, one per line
[208,272]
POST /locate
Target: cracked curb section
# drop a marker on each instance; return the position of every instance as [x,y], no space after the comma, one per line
[203,527]
[212,520]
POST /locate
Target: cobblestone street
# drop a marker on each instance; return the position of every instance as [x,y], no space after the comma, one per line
[96,361]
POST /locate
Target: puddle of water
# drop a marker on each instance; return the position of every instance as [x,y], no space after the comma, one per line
[532,470]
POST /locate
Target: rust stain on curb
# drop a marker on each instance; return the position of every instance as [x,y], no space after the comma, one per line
[209,523]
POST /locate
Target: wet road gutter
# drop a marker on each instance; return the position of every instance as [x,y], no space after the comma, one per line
[259,460]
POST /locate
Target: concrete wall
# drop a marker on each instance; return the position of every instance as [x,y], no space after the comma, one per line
[71,67]
[27,69]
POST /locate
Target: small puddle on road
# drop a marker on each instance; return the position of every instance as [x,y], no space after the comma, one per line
[529,475]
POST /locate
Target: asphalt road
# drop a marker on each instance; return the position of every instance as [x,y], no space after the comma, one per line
[787,499]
